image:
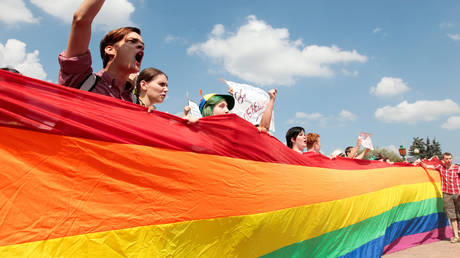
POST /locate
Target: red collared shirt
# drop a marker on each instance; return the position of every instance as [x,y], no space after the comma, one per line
[74,70]
[450,178]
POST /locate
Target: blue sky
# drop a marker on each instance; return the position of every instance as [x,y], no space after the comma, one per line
[390,68]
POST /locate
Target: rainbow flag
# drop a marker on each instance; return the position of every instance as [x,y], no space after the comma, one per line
[88,175]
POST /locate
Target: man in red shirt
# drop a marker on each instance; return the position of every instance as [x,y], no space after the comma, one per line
[450,181]
[121,51]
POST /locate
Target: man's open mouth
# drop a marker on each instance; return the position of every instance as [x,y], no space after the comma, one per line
[139,56]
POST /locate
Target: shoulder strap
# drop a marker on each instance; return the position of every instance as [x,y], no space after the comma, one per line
[90,82]
[134,98]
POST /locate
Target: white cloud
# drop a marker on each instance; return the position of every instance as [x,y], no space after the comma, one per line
[13,54]
[353,73]
[218,30]
[422,110]
[446,25]
[313,116]
[389,86]
[376,30]
[391,148]
[452,123]
[171,38]
[455,37]
[114,13]
[346,115]
[305,118]
[15,11]
[264,55]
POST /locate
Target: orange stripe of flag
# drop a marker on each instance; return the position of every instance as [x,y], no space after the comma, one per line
[70,186]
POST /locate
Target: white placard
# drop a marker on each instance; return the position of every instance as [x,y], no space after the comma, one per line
[366,140]
[250,103]
[194,109]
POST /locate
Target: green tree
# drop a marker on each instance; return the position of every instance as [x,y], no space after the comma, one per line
[436,149]
[425,149]
[428,148]
[418,145]
[384,153]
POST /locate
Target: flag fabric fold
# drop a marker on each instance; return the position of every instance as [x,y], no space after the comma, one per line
[88,175]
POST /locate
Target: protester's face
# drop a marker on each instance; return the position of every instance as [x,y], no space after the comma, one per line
[447,160]
[348,153]
[128,53]
[220,108]
[156,89]
[301,141]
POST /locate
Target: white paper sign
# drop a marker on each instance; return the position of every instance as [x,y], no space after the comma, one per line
[366,140]
[194,109]
[250,103]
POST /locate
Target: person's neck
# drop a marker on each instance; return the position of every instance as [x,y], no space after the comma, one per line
[297,149]
[120,76]
[145,101]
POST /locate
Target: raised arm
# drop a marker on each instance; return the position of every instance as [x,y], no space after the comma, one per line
[363,154]
[267,115]
[355,150]
[426,166]
[80,31]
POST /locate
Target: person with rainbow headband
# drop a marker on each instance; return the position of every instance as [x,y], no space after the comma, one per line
[220,104]
[216,104]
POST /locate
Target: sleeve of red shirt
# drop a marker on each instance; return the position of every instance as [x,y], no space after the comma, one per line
[437,167]
[74,69]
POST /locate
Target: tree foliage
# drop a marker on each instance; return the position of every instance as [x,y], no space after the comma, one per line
[384,153]
[426,148]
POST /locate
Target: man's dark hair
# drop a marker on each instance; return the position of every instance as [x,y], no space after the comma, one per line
[446,154]
[293,133]
[111,38]
[347,150]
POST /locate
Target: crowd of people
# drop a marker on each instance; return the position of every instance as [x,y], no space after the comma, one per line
[122,51]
